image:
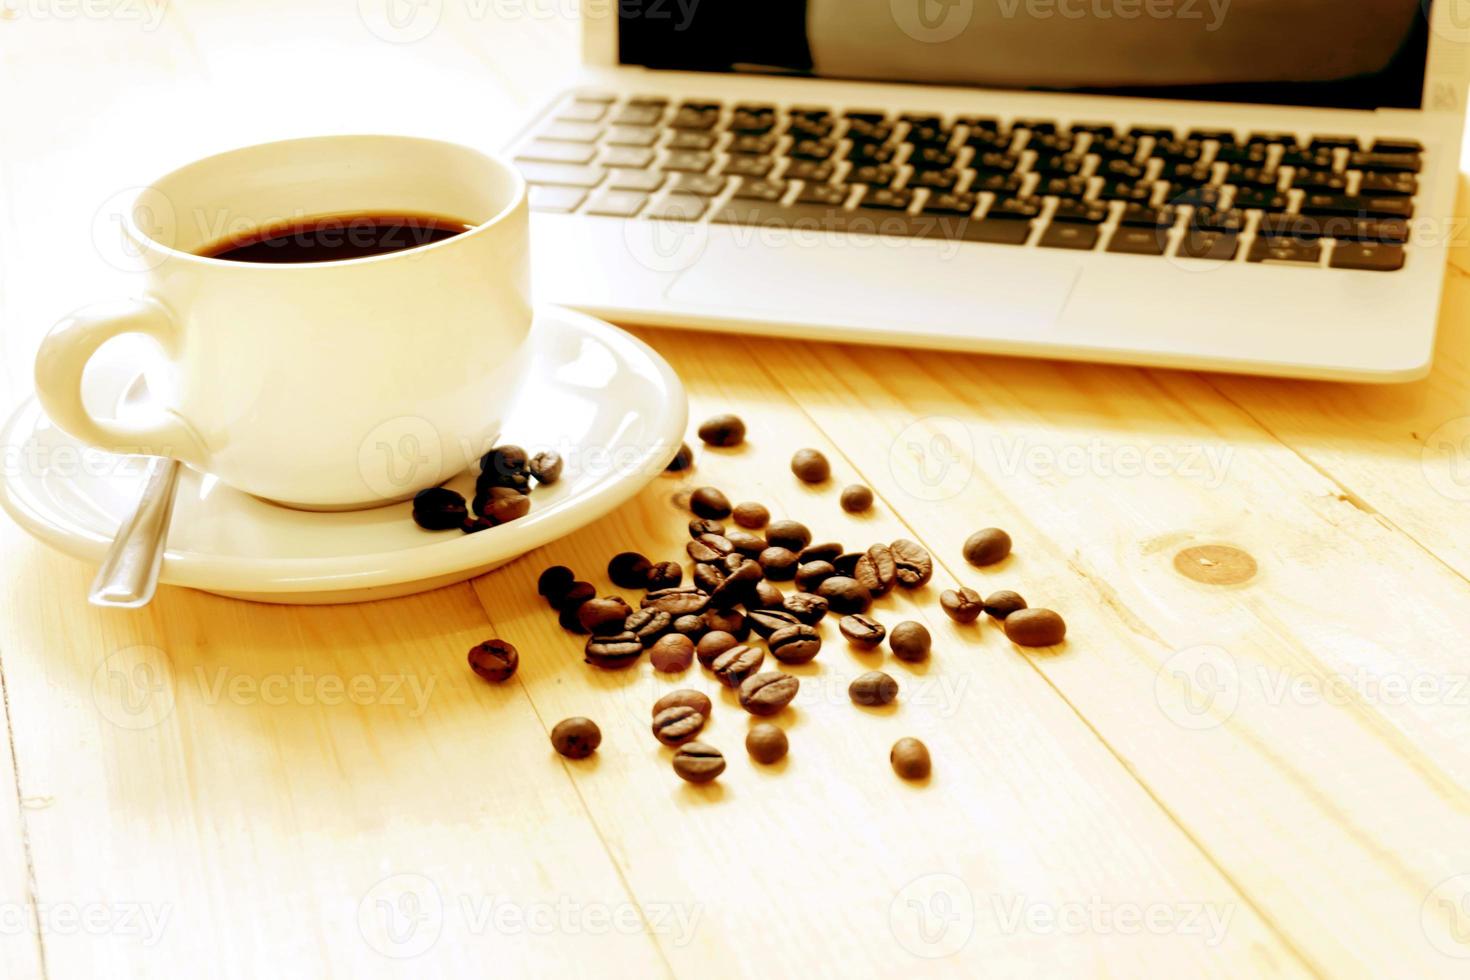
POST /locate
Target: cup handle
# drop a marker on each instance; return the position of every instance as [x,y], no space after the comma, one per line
[63,357]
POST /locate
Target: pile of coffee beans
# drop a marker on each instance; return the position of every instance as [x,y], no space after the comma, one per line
[502,492]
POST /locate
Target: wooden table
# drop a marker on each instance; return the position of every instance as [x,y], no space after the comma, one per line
[1248,759]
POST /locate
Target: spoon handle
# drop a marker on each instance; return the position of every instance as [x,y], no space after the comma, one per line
[129,574]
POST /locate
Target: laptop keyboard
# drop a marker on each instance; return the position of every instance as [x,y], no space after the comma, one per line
[1215,195]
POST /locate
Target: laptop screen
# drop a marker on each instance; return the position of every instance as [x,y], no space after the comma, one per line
[1360,54]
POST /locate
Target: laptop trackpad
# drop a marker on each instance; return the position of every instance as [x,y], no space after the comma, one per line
[877,282]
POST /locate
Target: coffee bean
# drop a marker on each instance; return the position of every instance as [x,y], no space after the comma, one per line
[672,653]
[546,467]
[765,596]
[554,583]
[708,575]
[909,641]
[914,566]
[730,621]
[578,593]
[736,664]
[664,575]
[501,505]
[505,461]
[697,762]
[677,725]
[796,644]
[909,758]
[826,551]
[751,514]
[961,605]
[846,563]
[767,692]
[687,697]
[766,743]
[845,595]
[709,547]
[722,430]
[999,605]
[788,534]
[648,624]
[682,601]
[712,644]
[710,503]
[779,564]
[494,660]
[749,545]
[612,652]
[568,620]
[806,607]
[683,459]
[873,689]
[474,525]
[767,621]
[703,525]
[439,509]
[629,570]
[810,466]
[604,616]
[863,631]
[737,587]
[576,738]
[987,546]
[1035,628]
[812,574]
[877,569]
[856,498]
[690,625]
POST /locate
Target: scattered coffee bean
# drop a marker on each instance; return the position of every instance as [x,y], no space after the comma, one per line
[863,631]
[913,565]
[697,762]
[987,546]
[790,535]
[576,738]
[568,620]
[766,743]
[826,551]
[779,564]
[877,569]
[703,525]
[961,605]
[629,570]
[806,607]
[714,643]
[749,545]
[576,594]
[672,653]
[710,503]
[796,644]
[846,563]
[730,621]
[612,652]
[504,466]
[546,467]
[810,466]
[736,664]
[722,430]
[682,601]
[766,596]
[605,616]
[709,547]
[690,625]
[767,621]
[439,509]
[664,575]
[648,624]
[494,660]
[812,574]
[554,582]
[999,605]
[683,459]
[751,514]
[767,692]
[501,505]
[909,641]
[737,587]
[1035,628]
[708,575]
[688,697]
[677,725]
[856,498]
[845,595]
[909,758]
[873,689]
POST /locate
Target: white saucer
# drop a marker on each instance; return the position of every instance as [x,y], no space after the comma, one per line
[609,404]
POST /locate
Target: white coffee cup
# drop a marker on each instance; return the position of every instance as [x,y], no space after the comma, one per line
[322,385]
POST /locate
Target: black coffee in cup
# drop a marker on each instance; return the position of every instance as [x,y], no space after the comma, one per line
[335,237]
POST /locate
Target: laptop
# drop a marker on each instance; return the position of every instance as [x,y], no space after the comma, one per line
[1264,186]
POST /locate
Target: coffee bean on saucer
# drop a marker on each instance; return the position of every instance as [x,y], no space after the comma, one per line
[909,758]
[810,466]
[961,605]
[913,565]
[873,689]
[779,563]
[605,616]
[672,653]
[765,596]
[554,582]
[730,621]
[629,570]
[791,535]
[736,664]
[749,545]
[612,652]
[768,692]
[691,625]
[826,551]
[683,459]
[812,574]
[856,498]
[1035,628]
[909,641]
[999,605]
[502,505]
[504,466]
[806,607]
[494,660]
[702,525]
[877,569]
[474,525]
[709,503]
[862,631]
[439,509]
[687,697]
[766,743]
[682,601]
[987,546]
[751,514]
[546,467]
[648,624]
[696,762]
[677,725]
[767,621]
[846,563]
[722,430]
[712,644]
[664,575]
[796,644]
[576,738]
[845,595]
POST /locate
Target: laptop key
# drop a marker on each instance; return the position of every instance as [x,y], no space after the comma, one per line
[1121,170]
[1036,125]
[701,185]
[936,180]
[1115,148]
[627,156]
[865,153]
[1333,142]
[635,180]
[873,175]
[1248,199]
[996,231]
[957,204]
[1285,250]
[545,151]
[811,149]
[567,131]
[815,170]
[1392,231]
[1014,208]
[1320,181]
[1096,129]
[1397,146]
[986,141]
[632,135]
[1068,235]
[679,207]
[1313,159]
[751,145]
[688,161]
[748,166]
[1157,132]
[1250,154]
[827,194]
[1389,185]
[618,204]
[691,117]
[1144,216]
[865,131]
[995,163]
[1122,190]
[1139,241]
[1178,151]
[1371,257]
[931,158]
[579,111]
[1364,207]
[760,190]
[1065,187]
[1218,135]
[556,199]
[886,199]
[691,140]
[1079,212]
[1199,197]
[1218,245]
[1001,185]
[1209,219]
[813,129]
[1390,162]
[1256,177]
[563,174]
[1052,143]
[638,115]
[929,135]
[1057,166]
